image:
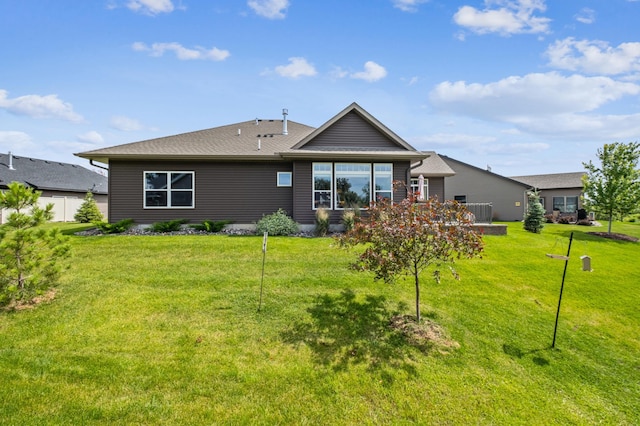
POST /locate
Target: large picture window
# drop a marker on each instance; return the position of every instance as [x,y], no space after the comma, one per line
[353,185]
[169,190]
[350,185]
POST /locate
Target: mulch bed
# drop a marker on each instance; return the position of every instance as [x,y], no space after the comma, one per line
[614,236]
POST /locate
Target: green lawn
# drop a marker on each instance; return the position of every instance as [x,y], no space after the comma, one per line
[166,330]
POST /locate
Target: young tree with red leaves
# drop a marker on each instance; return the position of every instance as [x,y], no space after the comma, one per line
[411,236]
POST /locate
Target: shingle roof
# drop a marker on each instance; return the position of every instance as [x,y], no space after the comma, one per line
[255,139]
[250,140]
[552,181]
[432,166]
[50,175]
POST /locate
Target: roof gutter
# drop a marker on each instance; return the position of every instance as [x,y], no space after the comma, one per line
[95,165]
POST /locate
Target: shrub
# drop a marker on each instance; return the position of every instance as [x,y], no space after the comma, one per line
[88,211]
[549,218]
[211,225]
[349,218]
[114,228]
[322,222]
[584,222]
[168,226]
[278,223]
[565,220]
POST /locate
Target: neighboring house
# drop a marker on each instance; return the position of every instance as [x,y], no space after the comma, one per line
[560,192]
[470,184]
[434,171]
[242,171]
[63,184]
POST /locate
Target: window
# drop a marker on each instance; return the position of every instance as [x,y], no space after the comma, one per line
[383,181]
[424,190]
[322,190]
[353,185]
[284,179]
[462,199]
[348,185]
[168,190]
[565,204]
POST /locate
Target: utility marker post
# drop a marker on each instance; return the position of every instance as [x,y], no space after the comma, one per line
[264,256]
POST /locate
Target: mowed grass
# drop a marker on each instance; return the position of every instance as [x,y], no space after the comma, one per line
[166,330]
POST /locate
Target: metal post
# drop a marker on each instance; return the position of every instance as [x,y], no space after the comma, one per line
[564,274]
[264,256]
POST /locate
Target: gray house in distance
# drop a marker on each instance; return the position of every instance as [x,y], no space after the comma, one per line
[242,171]
[470,184]
[57,181]
[560,192]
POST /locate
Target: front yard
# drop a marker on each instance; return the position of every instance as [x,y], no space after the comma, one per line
[166,330]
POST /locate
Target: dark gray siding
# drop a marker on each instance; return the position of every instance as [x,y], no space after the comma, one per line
[351,132]
[241,192]
[436,187]
[303,189]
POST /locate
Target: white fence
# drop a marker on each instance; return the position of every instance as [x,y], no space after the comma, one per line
[64,208]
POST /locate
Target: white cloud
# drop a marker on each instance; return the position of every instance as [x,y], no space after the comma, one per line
[16,142]
[586,16]
[125,124]
[594,57]
[372,72]
[151,7]
[408,5]
[297,67]
[36,106]
[182,53]
[91,137]
[533,95]
[271,9]
[504,17]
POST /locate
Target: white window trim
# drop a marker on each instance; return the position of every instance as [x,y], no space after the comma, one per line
[168,173]
[332,190]
[279,183]
[313,186]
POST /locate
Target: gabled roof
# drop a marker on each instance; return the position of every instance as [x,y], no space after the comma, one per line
[354,107]
[553,181]
[486,172]
[432,166]
[50,175]
[254,140]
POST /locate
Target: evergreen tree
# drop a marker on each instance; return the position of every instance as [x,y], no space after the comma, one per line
[534,217]
[29,255]
[89,211]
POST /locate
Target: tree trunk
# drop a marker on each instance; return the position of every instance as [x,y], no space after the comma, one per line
[415,275]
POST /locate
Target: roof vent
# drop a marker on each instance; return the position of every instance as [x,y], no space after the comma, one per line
[11,161]
[285,112]
[239,132]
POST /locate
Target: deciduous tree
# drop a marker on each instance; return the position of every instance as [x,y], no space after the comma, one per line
[613,187]
[409,237]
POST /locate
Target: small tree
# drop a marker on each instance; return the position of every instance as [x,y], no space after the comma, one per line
[534,217]
[88,211]
[29,255]
[408,237]
[613,188]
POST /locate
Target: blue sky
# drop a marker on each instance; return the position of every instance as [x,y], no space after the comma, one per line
[521,86]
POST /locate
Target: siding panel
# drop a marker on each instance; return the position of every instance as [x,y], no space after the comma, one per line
[351,132]
[242,192]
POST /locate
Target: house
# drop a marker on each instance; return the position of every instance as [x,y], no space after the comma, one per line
[561,192]
[242,171]
[469,184]
[63,184]
[434,171]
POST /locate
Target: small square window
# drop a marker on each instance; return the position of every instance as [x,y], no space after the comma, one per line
[284,179]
